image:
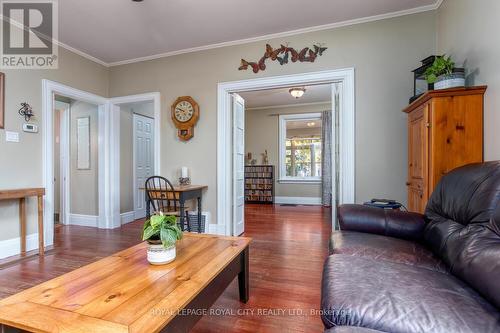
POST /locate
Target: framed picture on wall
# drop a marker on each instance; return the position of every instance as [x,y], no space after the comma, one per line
[2,100]
[83,143]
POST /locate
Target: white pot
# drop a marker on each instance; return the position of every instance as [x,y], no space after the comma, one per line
[450,81]
[158,255]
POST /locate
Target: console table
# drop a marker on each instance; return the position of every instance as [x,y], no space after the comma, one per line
[21,195]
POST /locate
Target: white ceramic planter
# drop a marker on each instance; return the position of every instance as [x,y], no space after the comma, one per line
[158,255]
[450,81]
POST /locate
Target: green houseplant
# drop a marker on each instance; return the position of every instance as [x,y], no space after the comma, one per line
[444,74]
[162,233]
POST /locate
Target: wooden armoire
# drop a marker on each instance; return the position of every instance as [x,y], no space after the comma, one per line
[445,131]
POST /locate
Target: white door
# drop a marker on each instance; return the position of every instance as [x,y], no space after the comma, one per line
[238,165]
[143,160]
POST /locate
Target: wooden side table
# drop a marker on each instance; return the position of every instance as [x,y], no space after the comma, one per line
[21,195]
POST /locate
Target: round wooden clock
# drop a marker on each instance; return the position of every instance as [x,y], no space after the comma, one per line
[185,114]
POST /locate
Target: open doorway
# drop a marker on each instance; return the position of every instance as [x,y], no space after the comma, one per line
[230,117]
[76,162]
[137,158]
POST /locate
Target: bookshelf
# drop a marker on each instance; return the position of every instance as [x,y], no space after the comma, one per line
[259,184]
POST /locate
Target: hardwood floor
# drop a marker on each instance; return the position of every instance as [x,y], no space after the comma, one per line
[286,260]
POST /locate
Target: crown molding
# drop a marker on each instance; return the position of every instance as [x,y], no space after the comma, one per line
[289,33]
[282,106]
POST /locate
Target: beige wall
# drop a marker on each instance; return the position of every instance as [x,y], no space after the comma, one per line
[468,31]
[84,184]
[261,133]
[21,163]
[382,52]
[126,151]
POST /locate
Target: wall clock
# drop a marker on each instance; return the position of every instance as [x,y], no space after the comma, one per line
[185,114]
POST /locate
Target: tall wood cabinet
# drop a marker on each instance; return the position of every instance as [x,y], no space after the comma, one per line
[445,131]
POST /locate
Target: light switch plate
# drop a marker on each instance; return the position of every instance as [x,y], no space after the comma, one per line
[11,136]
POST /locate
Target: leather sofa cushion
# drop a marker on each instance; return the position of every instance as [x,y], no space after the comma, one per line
[462,226]
[350,329]
[384,248]
[394,297]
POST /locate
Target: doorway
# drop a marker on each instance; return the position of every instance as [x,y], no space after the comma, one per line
[228,170]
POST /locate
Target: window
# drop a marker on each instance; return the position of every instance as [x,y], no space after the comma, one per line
[300,148]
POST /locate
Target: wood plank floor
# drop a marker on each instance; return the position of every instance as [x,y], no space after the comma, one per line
[286,259]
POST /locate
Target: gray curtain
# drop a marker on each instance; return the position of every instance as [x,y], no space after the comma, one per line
[326,159]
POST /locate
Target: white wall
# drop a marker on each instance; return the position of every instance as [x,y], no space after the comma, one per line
[84,184]
[469,32]
[21,163]
[383,54]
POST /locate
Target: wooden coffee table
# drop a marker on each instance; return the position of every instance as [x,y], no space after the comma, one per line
[124,293]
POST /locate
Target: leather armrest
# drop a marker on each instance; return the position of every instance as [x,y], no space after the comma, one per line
[393,223]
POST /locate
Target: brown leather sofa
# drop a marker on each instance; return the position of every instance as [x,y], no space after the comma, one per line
[392,271]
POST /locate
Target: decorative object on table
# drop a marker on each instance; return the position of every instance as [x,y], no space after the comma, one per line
[443,74]
[283,55]
[2,100]
[185,114]
[248,159]
[253,162]
[384,204]
[26,111]
[162,233]
[420,84]
[184,179]
[265,158]
[259,184]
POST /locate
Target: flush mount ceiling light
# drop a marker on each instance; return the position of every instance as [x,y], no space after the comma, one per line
[311,124]
[297,92]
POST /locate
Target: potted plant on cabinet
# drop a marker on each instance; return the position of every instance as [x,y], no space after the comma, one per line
[444,74]
[162,233]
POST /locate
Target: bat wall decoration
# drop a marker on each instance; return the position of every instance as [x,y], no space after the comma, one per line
[283,55]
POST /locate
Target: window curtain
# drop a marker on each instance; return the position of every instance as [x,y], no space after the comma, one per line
[326,159]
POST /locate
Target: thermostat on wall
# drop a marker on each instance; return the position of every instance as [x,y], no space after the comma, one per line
[30,128]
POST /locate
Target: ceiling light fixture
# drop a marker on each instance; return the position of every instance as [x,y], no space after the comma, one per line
[311,124]
[297,92]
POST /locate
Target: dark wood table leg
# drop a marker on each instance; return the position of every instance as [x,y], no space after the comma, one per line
[243,276]
[182,213]
[148,208]
[199,214]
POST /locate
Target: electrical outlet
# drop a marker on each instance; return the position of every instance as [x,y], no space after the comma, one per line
[11,136]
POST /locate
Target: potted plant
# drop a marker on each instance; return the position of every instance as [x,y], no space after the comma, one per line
[444,74]
[161,232]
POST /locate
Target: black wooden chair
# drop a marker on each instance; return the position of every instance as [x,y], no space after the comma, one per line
[161,197]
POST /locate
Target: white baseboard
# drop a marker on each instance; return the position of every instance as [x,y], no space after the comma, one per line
[298,200]
[12,247]
[139,214]
[84,220]
[127,217]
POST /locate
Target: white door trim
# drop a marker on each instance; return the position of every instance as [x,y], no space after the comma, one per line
[224,132]
[115,151]
[49,89]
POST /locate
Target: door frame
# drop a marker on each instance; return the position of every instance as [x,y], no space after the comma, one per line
[49,90]
[346,143]
[64,168]
[134,155]
[115,149]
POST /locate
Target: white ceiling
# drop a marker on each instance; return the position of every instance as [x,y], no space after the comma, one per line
[117,31]
[281,97]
